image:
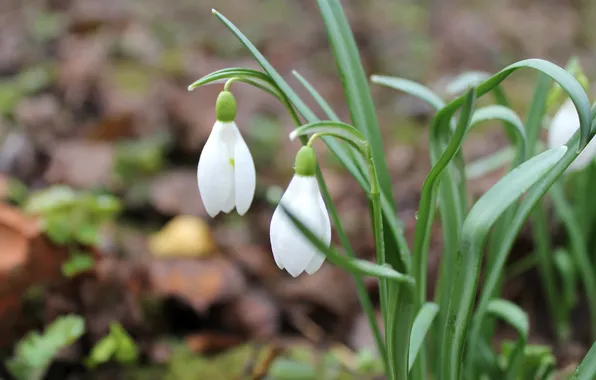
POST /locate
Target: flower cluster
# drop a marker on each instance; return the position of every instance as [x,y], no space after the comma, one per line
[227,178]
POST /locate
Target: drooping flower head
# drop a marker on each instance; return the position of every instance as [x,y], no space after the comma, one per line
[226,171]
[564,124]
[292,251]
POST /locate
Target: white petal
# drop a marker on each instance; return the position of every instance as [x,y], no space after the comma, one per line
[565,123]
[244,174]
[279,226]
[290,247]
[214,172]
[317,261]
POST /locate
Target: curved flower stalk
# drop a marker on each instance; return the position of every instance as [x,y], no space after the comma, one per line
[226,171]
[292,251]
[564,124]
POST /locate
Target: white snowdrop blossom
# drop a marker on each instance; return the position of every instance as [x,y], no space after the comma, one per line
[292,251]
[226,171]
[564,124]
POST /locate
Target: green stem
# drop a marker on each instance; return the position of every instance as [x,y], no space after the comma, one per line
[546,271]
[313,138]
[398,323]
[230,81]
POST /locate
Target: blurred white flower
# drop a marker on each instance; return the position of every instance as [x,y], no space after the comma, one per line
[292,250]
[564,124]
[226,171]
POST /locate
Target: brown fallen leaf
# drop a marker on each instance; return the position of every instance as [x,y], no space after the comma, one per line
[43,120]
[255,314]
[175,192]
[183,236]
[16,231]
[82,164]
[81,61]
[199,283]
[111,128]
[210,342]
[26,258]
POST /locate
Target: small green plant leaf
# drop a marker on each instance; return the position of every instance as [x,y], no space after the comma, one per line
[116,345]
[286,369]
[126,348]
[78,262]
[34,353]
[87,234]
[102,352]
[52,199]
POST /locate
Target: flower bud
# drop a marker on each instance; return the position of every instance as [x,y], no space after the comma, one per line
[225,107]
[306,162]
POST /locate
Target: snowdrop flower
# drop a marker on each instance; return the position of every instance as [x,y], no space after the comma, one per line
[564,124]
[226,171]
[292,251]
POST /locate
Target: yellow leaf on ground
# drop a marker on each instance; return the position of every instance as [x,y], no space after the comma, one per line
[183,236]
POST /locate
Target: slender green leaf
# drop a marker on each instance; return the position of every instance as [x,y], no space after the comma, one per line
[587,368]
[502,113]
[512,314]
[220,76]
[336,129]
[422,324]
[253,77]
[410,87]
[464,81]
[317,97]
[450,204]
[429,193]
[350,264]
[536,111]
[476,226]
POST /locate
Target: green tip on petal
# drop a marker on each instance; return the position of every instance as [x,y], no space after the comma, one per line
[306,162]
[225,107]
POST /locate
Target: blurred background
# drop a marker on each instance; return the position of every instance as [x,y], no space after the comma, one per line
[100,139]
